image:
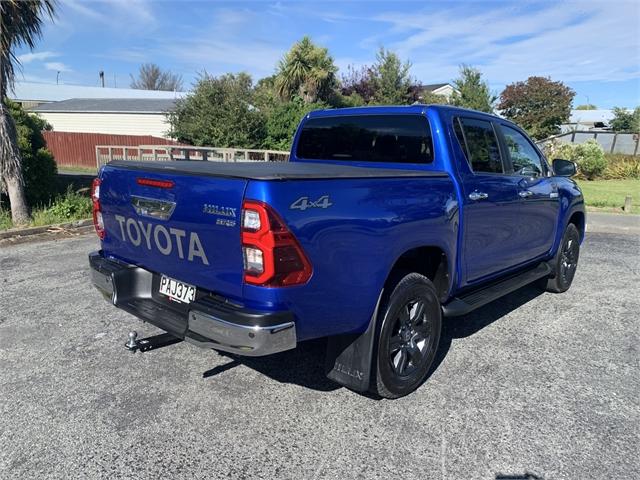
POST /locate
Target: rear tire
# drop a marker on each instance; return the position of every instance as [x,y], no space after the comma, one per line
[565,262]
[407,337]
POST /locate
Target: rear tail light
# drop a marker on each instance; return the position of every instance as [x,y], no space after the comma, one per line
[272,255]
[98,221]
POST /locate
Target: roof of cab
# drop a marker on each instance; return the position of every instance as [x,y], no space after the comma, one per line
[416,109]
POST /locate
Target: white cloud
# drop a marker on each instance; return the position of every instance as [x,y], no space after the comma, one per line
[57,67]
[236,40]
[34,57]
[83,9]
[587,41]
[119,13]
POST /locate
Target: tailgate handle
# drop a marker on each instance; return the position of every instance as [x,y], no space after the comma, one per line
[152,207]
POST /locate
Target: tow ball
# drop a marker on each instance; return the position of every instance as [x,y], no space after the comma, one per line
[149,343]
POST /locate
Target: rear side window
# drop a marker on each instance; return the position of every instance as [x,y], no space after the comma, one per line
[368,138]
[479,143]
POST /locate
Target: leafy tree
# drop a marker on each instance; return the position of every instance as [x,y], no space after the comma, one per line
[306,71]
[20,25]
[391,80]
[625,120]
[360,83]
[539,105]
[362,86]
[587,106]
[283,121]
[219,112]
[39,169]
[265,96]
[151,77]
[471,91]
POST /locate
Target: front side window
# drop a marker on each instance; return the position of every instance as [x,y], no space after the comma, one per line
[367,138]
[480,144]
[524,158]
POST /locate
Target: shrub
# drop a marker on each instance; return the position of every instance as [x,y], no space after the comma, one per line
[5,219]
[625,120]
[39,169]
[71,205]
[621,166]
[283,121]
[588,155]
[219,112]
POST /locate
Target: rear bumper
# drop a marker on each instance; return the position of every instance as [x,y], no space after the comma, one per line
[209,321]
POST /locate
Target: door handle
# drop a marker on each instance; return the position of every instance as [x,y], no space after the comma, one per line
[525,193]
[478,195]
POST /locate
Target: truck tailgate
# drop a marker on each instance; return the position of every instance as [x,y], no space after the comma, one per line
[187,227]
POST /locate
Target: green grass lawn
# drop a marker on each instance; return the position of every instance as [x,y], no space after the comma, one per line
[610,194]
[78,170]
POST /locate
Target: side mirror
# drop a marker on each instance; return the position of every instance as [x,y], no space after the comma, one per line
[564,168]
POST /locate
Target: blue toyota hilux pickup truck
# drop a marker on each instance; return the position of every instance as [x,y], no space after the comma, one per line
[384,221]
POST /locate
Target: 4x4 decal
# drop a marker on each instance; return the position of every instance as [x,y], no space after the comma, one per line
[303,203]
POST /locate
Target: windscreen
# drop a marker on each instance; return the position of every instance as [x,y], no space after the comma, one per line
[367,138]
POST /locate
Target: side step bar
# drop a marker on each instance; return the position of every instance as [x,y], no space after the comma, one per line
[470,301]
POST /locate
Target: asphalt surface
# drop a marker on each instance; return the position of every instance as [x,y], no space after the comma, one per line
[533,386]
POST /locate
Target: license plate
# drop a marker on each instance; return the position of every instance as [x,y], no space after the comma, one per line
[177,291]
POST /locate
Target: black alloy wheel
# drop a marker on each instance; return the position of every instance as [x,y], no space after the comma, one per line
[565,262]
[409,327]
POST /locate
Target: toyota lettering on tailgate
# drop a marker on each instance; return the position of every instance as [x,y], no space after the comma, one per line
[161,238]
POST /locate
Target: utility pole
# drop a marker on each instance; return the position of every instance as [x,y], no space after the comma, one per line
[58,77]
[101,74]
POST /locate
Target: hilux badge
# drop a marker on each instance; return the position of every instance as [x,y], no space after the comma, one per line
[229,214]
[219,210]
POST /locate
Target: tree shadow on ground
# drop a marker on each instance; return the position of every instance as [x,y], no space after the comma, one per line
[304,365]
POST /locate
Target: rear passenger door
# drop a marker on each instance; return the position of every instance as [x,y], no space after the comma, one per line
[490,202]
[538,192]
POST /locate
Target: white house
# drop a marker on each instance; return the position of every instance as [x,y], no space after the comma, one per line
[115,116]
[588,120]
[444,89]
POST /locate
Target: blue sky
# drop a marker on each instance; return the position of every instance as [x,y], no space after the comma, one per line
[593,46]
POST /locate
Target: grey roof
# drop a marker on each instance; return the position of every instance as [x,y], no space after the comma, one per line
[434,86]
[109,105]
[48,92]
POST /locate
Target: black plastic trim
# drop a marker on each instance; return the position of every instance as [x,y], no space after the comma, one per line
[469,301]
[306,170]
[135,291]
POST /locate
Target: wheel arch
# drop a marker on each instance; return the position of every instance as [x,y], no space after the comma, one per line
[430,261]
[578,219]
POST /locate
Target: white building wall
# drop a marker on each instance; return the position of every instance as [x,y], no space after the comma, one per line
[114,123]
[446,91]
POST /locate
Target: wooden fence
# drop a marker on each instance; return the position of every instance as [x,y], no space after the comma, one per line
[159,153]
[74,149]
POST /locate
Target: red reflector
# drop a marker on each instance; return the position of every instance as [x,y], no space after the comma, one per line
[150,182]
[98,221]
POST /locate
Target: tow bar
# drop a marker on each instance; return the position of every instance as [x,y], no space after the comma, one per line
[150,343]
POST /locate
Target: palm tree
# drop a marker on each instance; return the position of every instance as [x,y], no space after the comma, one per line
[20,24]
[307,71]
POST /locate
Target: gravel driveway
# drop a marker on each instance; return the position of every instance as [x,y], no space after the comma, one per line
[532,386]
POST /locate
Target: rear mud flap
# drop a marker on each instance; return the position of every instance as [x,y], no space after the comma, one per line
[349,357]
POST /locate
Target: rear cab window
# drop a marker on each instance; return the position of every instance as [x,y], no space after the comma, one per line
[479,144]
[367,138]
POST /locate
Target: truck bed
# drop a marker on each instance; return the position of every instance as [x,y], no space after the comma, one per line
[272,170]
